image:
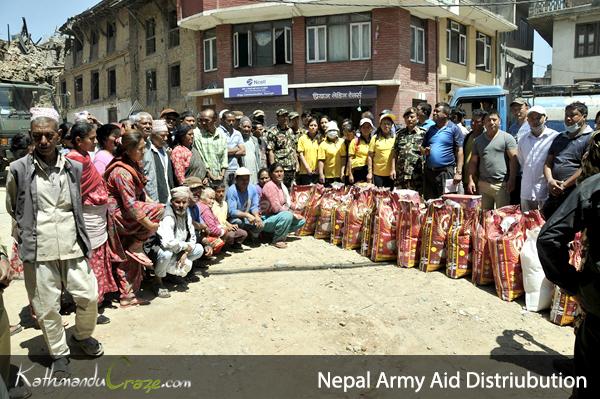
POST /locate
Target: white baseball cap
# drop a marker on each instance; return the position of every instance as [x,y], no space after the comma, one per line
[242,171]
[332,126]
[538,109]
[366,120]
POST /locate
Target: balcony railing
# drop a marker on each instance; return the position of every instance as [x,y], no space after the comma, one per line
[549,6]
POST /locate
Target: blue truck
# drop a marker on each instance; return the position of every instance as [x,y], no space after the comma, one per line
[553,98]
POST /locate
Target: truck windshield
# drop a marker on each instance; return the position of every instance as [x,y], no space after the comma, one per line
[18,100]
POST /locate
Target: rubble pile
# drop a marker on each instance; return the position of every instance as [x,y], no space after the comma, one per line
[23,60]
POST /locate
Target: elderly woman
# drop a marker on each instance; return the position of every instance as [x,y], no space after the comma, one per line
[94,197]
[231,236]
[379,160]
[185,157]
[107,136]
[275,206]
[133,219]
[177,247]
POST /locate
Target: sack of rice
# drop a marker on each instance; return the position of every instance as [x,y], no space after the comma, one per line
[564,308]
[311,212]
[354,218]
[482,273]
[408,233]
[459,243]
[433,235]
[329,199]
[538,289]
[299,197]
[384,229]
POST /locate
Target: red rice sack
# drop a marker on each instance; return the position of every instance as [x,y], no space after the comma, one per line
[408,233]
[354,218]
[564,308]
[338,214]
[462,229]
[366,239]
[532,220]
[311,212]
[481,273]
[300,196]
[505,240]
[575,251]
[433,235]
[323,226]
[384,241]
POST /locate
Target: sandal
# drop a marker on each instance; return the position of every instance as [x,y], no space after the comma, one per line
[127,303]
[17,328]
[90,346]
[280,244]
[139,257]
[162,292]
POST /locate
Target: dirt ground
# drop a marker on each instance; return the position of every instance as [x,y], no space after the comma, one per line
[313,298]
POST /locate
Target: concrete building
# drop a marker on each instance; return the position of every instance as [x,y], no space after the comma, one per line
[360,57]
[572,28]
[124,53]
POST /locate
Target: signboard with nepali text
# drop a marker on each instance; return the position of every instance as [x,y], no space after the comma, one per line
[341,93]
[255,86]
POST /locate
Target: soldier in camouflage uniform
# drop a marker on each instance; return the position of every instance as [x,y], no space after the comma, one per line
[295,125]
[281,146]
[407,161]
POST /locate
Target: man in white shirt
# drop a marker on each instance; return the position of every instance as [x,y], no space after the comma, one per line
[532,152]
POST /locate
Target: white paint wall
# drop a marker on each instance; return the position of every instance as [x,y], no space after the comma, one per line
[565,67]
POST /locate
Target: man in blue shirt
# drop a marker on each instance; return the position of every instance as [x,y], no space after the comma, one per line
[243,203]
[423,113]
[442,146]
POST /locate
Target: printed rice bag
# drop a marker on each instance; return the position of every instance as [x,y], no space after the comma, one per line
[384,231]
[300,196]
[311,212]
[338,214]
[329,199]
[366,232]
[462,229]
[354,218]
[408,233]
[433,235]
[505,240]
[564,308]
[481,273]
[576,251]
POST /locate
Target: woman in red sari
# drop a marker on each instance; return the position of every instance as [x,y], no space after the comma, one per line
[133,219]
[94,198]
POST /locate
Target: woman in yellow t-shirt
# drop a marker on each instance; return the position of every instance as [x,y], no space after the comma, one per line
[332,156]
[358,151]
[379,160]
[308,154]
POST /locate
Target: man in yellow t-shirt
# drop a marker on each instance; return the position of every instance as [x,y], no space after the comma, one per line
[332,156]
[379,160]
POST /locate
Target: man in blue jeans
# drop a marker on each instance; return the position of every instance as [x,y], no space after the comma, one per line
[442,146]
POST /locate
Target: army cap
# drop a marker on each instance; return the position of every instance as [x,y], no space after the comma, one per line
[294,115]
[281,112]
[520,101]
[258,112]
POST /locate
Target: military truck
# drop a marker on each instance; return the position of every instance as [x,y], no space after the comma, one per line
[16,98]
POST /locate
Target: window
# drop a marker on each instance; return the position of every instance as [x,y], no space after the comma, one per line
[360,37]
[95,86]
[112,82]
[150,36]
[586,39]
[111,37]
[417,40]
[316,48]
[484,52]
[64,95]
[113,115]
[456,35]
[78,91]
[77,52]
[338,38]
[262,44]
[210,50]
[150,87]
[173,29]
[94,45]
[174,81]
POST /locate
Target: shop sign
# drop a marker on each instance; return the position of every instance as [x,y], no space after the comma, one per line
[255,86]
[342,93]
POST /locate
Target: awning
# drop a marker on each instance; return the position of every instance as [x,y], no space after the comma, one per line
[519,57]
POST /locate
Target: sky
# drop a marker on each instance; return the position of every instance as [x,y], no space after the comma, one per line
[45,16]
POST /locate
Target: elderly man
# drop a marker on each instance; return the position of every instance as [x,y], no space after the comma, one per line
[281,147]
[243,203]
[43,196]
[212,146]
[563,163]
[235,144]
[157,164]
[252,158]
[532,152]
[170,116]
[443,147]
[142,121]
[175,244]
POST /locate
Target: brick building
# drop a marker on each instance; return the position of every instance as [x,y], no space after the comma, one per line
[125,51]
[393,57]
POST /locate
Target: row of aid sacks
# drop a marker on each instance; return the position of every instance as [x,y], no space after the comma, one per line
[450,233]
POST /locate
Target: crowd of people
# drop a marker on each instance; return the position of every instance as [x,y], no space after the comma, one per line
[99,207]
